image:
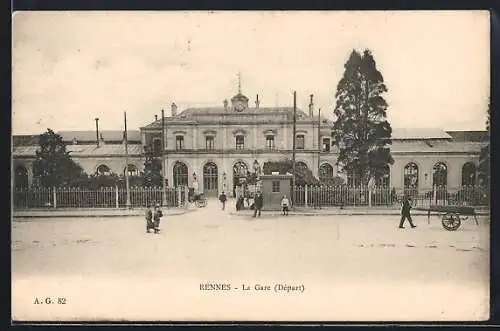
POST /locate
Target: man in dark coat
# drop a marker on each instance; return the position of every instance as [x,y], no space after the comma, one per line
[258,202]
[405,213]
[149,219]
[223,199]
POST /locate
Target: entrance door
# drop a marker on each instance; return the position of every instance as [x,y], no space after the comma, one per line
[210,179]
[240,172]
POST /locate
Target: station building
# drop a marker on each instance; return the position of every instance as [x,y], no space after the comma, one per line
[213,145]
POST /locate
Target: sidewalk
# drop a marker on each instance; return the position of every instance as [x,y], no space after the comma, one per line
[93,212]
[302,211]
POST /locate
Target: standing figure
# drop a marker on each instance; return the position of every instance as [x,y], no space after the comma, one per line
[149,219]
[285,204]
[405,213]
[258,202]
[157,215]
[223,199]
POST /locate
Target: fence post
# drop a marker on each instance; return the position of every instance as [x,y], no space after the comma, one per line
[186,192]
[116,196]
[305,195]
[54,196]
[369,197]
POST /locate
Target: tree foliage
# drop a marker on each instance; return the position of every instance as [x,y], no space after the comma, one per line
[303,175]
[152,168]
[53,165]
[484,156]
[361,130]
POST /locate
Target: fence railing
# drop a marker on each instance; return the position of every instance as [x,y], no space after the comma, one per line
[317,196]
[109,197]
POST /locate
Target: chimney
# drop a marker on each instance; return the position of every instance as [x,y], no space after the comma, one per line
[311,106]
[156,118]
[173,109]
[225,104]
[257,102]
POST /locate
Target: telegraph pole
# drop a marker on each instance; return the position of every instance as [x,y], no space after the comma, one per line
[320,145]
[97,130]
[163,165]
[126,161]
[294,146]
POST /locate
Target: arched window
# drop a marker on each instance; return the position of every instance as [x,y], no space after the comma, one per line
[302,165]
[439,174]
[383,178]
[180,174]
[20,177]
[157,146]
[103,170]
[468,174]
[132,170]
[410,173]
[210,178]
[325,172]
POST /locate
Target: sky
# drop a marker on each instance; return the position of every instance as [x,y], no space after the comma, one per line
[71,67]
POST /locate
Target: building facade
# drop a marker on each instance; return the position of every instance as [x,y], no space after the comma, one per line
[211,146]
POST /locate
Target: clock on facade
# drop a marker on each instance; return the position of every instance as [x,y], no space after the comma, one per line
[239,106]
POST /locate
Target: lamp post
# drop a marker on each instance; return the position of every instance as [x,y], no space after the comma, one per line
[126,161]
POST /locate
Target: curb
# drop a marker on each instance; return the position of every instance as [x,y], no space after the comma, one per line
[346,213]
[92,213]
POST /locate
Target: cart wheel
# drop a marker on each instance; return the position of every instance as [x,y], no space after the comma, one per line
[451,222]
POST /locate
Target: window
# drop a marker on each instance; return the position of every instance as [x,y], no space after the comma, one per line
[299,142]
[468,174]
[240,142]
[439,174]
[270,142]
[326,145]
[276,186]
[179,142]
[156,146]
[103,170]
[410,173]
[209,142]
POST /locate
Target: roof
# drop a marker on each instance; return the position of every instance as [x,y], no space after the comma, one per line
[107,135]
[420,146]
[196,114]
[472,136]
[419,133]
[84,150]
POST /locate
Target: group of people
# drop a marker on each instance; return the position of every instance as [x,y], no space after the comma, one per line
[153,217]
[258,203]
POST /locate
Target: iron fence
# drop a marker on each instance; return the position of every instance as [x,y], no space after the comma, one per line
[343,196]
[107,197]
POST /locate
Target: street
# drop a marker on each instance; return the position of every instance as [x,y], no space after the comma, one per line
[352,267]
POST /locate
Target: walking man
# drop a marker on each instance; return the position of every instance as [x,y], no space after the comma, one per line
[405,213]
[285,203]
[258,202]
[223,199]
[157,215]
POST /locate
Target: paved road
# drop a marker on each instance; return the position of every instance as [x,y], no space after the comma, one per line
[109,267]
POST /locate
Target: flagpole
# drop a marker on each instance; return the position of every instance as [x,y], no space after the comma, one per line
[126,162]
[294,146]
[163,165]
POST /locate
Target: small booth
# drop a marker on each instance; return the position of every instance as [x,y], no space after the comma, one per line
[274,186]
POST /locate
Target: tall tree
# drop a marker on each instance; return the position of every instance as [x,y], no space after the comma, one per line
[484,156]
[53,165]
[361,130]
[152,168]
[303,175]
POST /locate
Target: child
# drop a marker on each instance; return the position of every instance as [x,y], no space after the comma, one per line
[149,219]
[285,203]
